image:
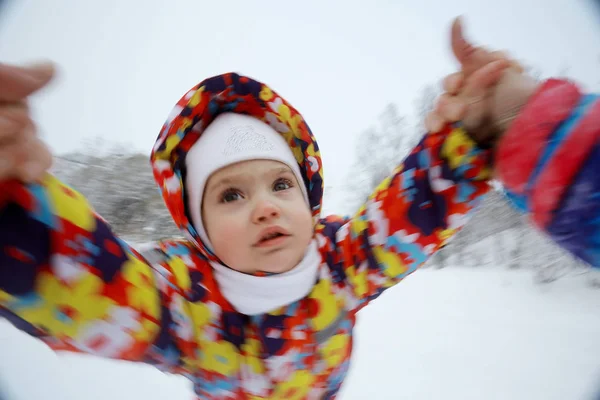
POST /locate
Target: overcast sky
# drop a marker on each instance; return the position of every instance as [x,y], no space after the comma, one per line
[124,63]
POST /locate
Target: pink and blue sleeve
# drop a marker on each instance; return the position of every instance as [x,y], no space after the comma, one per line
[549,164]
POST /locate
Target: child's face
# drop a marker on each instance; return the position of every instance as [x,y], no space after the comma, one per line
[256,217]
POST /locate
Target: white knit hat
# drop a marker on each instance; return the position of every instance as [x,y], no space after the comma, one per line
[229,139]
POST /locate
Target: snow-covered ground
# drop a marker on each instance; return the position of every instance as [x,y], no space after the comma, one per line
[456,333]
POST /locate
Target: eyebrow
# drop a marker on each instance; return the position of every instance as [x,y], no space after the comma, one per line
[228,180]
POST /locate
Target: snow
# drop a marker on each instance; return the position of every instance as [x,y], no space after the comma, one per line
[455,333]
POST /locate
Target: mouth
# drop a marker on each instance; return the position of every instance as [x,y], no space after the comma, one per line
[272,237]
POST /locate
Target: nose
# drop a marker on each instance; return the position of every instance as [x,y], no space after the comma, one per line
[265,211]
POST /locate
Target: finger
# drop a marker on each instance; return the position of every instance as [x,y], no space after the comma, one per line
[25,158]
[451,108]
[433,123]
[14,117]
[516,66]
[453,82]
[482,79]
[474,93]
[499,55]
[503,55]
[479,58]
[38,162]
[11,154]
[16,83]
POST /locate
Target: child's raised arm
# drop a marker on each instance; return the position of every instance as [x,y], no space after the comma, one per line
[66,278]
[410,215]
[432,193]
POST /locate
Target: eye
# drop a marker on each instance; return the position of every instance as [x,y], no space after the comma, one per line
[282,184]
[231,195]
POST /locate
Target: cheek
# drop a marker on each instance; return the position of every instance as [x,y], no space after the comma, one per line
[223,230]
[304,224]
[226,238]
[226,230]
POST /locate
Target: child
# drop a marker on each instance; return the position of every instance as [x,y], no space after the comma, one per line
[261,299]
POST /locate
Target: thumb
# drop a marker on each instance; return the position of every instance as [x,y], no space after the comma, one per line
[460,47]
[17,83]
[470,57]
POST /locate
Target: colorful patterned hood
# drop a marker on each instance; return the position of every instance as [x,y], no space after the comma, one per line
[198,108]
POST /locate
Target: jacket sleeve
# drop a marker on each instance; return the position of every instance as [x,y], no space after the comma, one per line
[548,163]
[412,213]
[67,279]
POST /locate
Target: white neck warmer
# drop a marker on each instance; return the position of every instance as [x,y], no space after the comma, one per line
[254,295]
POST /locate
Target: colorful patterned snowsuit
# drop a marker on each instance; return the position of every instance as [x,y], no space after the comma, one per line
[66,278]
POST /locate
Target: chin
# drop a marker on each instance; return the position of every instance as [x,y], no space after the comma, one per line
[276,262]
[280,263]
[277,269]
